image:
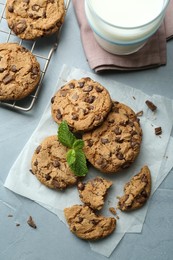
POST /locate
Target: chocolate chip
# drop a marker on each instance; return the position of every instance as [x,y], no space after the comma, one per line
[38,149]
[10,9]
[104,140]
[123,123]
[102,162]
[117,131]
[99,89]
[35,7]
[13,68]
[134,144]
[111,121]
[158,130]
[75,117]
[2,70]
[71,85]
[35,70]
[35,163]
[118,140]
[88,88]
[80,186]
[90,99]
[52,99]
[56,164]
[120,156]
[85,111]
[150,105]
[47,177]
[90,142]
[19,27]
[81,84]
[58,114]
[63,93]
[7,79]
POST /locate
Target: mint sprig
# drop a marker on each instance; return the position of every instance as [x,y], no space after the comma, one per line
[75,156]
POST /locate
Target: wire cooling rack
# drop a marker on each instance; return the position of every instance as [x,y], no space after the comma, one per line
[43,53]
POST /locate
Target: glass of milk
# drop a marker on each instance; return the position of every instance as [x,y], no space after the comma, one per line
[124,26]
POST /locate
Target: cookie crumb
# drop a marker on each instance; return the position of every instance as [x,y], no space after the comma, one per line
[17,224]
[31,223]
[117,217]
[140,113]
[10,216]
[113,210]
[158,130]
[150,105]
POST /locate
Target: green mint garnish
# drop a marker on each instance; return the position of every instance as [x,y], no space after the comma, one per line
[75,156]
[66,137]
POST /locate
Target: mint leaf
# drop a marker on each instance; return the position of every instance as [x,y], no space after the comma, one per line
[78,144]
[79,167]
[66,137]
[71,156]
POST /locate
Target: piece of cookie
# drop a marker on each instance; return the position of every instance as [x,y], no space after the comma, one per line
[49,164]
[85,224]
[116,143]
[30,19]
[94,191]
[83,103]
[19,72]
[136,191]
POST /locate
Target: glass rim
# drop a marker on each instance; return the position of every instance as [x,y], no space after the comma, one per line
[129,27]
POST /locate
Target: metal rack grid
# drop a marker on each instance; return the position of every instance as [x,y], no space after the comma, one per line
[36,47]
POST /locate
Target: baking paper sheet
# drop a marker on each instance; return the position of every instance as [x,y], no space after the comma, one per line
[152,154]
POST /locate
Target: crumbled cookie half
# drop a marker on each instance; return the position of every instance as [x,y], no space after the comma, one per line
[93,192]
[136,191]
[85,224]
[49,164]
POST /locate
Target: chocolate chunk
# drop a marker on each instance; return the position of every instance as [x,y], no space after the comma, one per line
[10,9]
[104,140]
[35,163]
[90,99]
[2,70]
[38,149]
[150,105]
[47,177]
[81,84]
[13,68]
[117,131]
[56,164]
[88,88]
[99,89]
[58,115]
[7,79]
[63,93]
[71,85]
[158,130]
[19,27]
[120,156]
[35,7]
[31,222]
[90,142]
[34,72]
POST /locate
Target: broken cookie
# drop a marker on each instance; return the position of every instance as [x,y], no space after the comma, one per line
[85,224]
[93,192]
[136,191]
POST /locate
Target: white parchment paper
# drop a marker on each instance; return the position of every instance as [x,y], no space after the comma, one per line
[154,153]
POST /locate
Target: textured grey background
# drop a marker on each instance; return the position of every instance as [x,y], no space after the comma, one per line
[51,240]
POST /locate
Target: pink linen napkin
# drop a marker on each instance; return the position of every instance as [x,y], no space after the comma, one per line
[153,54]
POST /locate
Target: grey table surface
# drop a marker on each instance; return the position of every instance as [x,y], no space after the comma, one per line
[51,240]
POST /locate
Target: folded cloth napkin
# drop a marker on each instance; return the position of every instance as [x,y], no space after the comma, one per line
[153,54]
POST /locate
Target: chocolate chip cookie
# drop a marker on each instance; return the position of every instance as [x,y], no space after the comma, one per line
[30,19]
[49,164]
[19,72]
[116,143]
[85,224]
[83,103]
[136,191]
[93,192]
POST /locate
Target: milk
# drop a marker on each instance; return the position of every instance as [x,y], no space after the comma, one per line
[127,13]
[124,26]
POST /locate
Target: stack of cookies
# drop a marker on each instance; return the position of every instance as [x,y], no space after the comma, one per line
[112,138]
[19,69]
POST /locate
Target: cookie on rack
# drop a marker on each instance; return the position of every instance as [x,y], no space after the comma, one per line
[19,72]
[85,224]
[93,192]
[136,191]
[49,164]
[33,19]
[116,143]
[83,103]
